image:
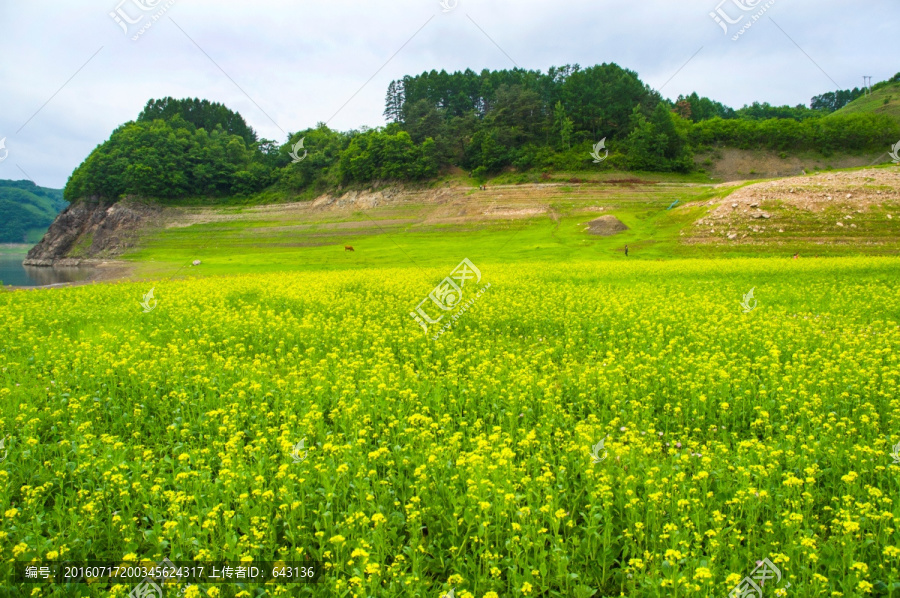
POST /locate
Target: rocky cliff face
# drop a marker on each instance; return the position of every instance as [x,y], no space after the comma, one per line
[89,231]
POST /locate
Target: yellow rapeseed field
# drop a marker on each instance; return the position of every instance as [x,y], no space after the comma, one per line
[472,462]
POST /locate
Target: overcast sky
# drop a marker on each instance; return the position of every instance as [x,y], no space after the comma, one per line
[70,73]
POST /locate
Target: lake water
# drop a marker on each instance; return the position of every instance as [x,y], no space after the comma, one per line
[12,272]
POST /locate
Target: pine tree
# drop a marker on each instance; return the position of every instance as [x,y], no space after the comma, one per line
[393,111]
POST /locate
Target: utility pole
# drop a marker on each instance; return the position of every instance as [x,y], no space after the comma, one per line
[867,84]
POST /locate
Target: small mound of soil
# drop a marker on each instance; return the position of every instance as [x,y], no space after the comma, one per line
[605,226]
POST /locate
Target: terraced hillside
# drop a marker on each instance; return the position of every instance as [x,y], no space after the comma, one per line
[834,213]
[859,210]
[394,226]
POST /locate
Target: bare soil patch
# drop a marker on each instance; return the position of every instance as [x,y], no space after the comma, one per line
[605,226]
[824,207]
[512,212]
[732,164]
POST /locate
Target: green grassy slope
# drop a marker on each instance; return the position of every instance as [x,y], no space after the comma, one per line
[885,100]
[404,235]
[543,223]
[26,210]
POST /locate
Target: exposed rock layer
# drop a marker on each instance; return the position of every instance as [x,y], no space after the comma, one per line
[86,232]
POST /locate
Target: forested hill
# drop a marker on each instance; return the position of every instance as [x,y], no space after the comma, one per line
[484,123]
[26,210]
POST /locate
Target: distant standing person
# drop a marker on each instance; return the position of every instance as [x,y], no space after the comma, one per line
[626,251]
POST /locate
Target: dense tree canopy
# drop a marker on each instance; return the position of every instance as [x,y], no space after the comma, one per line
[851,132]
[695,108]
[169,159]
[203,114]
[482,122]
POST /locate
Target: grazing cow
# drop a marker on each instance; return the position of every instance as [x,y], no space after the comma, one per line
[347,248]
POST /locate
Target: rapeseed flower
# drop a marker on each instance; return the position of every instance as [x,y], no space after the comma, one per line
[171,433]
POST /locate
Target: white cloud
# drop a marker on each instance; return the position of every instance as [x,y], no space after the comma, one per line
[302,61]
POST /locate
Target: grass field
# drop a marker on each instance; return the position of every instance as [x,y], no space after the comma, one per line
[399,235]
[881,101]
[465,463]
[659,210]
